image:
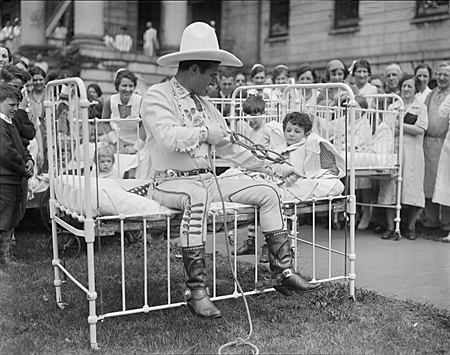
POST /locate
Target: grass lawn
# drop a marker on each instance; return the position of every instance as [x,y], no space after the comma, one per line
[326,322]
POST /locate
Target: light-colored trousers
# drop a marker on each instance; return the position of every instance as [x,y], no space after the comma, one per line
[194,195]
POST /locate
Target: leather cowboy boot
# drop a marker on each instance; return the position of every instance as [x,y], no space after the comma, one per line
[248,248]
[196,295]
[284,277]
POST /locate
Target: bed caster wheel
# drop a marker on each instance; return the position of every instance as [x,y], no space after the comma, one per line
[134,237]
[231,238]
[397,236]
[69,246]
[63,305]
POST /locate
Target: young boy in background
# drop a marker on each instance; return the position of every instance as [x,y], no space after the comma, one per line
[15,165]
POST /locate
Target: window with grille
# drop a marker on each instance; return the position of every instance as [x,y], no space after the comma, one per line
[279,18]
[346,13]
[427,8]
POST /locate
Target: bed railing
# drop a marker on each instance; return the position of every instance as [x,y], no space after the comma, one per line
[76,200]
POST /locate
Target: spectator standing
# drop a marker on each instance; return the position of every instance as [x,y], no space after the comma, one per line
[5,56]
[423,72]
[433,142]
[258,77]
[280,77]
[441,191]
[226,86]
[37,110]
[123,41]
[151,43]
[392,74]
[308,97]
[415,123]
[241,79]
[378,82]
[362,72]
[335,72]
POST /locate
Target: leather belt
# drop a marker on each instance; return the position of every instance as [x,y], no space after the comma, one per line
[175,173]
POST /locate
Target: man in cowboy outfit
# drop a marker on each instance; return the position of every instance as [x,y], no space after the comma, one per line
[182,127]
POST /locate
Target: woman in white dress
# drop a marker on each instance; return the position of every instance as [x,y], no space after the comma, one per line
[362,72]
[441,193]
[415,123]
[423,72]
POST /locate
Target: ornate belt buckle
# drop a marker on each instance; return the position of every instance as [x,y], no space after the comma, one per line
[171,173]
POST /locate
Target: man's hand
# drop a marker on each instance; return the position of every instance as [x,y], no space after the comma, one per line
[215,133]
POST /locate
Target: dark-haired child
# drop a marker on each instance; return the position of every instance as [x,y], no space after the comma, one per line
[15,164]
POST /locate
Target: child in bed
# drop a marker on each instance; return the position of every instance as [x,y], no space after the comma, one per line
[105,164]
[263,134]
[311,155]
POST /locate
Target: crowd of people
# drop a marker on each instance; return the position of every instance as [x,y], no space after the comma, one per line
[180,125]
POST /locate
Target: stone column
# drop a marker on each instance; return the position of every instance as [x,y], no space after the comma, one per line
[88,26]
[173,22]
[32,14]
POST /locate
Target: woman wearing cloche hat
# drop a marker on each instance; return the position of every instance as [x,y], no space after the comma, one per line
[181,127]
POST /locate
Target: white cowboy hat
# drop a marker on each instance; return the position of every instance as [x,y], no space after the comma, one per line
[199,42]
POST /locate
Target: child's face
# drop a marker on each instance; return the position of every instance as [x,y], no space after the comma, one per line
[256,122]
[293,133]
[9,106]
[105,164]
[66,157]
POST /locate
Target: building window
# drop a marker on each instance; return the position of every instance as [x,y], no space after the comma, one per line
[429,8]
[279,18]
[346,13]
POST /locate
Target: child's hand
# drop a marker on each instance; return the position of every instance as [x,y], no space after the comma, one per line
[29,170]
[128,149]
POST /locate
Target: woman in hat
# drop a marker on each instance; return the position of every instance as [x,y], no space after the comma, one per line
[335,72]
[258,77]
[182,127]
